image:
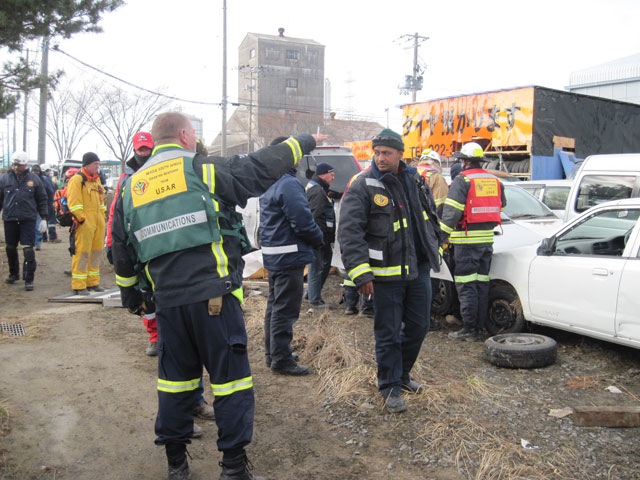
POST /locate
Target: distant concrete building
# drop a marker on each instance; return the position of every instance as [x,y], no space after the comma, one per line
[616,80]
[281,88]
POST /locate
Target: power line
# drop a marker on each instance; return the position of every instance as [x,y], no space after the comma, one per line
[347,112]
[171,97]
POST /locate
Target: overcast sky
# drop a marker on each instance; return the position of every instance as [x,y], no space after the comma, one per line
[176,47]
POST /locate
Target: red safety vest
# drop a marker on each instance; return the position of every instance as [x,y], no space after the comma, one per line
[484,200]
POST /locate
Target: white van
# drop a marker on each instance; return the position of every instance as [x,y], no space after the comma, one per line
[602,178]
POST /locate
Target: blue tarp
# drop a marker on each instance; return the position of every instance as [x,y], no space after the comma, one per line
[558,166]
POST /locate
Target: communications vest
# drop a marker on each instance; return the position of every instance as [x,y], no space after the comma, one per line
[168,208]
[484,200]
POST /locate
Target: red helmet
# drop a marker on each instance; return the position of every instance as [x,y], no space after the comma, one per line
[71,172]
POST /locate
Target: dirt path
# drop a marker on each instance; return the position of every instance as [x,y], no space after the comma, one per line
[81,401]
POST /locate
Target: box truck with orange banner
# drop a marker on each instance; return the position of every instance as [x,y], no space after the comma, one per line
[533,132]
[362,150]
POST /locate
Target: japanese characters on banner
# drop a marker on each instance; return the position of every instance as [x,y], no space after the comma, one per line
[362,150]
[504,117]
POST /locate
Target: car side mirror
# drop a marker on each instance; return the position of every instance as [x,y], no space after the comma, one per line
[546,247]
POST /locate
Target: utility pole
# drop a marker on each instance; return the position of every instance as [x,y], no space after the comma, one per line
[254,73]
[44,97]
[223,142]
[24,115]
[413,82]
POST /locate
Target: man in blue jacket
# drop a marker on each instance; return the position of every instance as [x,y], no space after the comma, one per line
[22,198]
[288,234]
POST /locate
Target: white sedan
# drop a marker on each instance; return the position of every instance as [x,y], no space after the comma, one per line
[583,279]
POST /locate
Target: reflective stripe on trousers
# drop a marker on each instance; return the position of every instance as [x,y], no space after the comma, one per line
[471,274]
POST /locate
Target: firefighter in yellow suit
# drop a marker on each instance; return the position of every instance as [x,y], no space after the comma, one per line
[85,197]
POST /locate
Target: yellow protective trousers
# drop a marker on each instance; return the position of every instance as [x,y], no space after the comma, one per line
[85,266]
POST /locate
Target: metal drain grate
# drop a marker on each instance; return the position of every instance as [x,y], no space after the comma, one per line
[14,329]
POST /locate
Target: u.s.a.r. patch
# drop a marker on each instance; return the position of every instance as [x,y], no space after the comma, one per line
[380,200]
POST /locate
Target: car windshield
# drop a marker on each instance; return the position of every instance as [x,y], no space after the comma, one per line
[522,205]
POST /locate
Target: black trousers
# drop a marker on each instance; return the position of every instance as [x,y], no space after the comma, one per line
[188,338]
[283,310]
[23,232]
[471,274]
[402,311]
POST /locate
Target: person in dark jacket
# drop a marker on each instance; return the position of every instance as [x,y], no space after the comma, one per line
[321,206]
[389,236]
[288,235]
[471,212]
[175,229]
[22,198]
[51,191]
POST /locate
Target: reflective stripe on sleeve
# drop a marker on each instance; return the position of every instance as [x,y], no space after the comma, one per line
[126,281]
[280,250]
[295,149]
[76,207]
[178,387]
[446,228]
[457,205]
[232,387]
[359,270]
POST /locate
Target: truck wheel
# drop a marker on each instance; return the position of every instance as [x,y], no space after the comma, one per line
[520,350]
[442,300]
[505,310]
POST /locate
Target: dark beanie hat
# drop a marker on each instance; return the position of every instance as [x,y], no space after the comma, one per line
[323,168]
[88,158]
[455,169]
[388,138]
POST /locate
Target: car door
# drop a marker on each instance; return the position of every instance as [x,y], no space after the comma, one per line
[576,287]
[627,318]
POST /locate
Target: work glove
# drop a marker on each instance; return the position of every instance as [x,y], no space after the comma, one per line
[131,299]
[109,255]
[149,305]
[42,226]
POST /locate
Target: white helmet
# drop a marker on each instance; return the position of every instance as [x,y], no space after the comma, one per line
[20,157]
[472,151]
[430,156]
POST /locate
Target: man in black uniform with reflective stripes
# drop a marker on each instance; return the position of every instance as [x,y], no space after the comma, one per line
[175,228]
[389,236]
[471,212]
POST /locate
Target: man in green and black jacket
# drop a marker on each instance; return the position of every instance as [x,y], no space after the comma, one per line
[175,228]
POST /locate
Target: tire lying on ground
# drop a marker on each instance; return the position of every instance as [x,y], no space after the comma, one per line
[520,350]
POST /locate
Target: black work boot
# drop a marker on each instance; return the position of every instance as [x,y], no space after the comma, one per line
[237,468]
[462,334]
[177,458]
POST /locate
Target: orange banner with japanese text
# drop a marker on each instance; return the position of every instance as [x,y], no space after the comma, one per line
[362,150]
[503,117]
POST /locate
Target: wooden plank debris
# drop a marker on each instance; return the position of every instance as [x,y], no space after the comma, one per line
[607,416]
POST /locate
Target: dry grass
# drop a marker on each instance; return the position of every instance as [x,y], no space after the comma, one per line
[5,418]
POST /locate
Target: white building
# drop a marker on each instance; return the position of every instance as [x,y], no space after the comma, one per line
[617,80]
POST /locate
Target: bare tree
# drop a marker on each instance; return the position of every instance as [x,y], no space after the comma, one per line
[116,115]
[67,120]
